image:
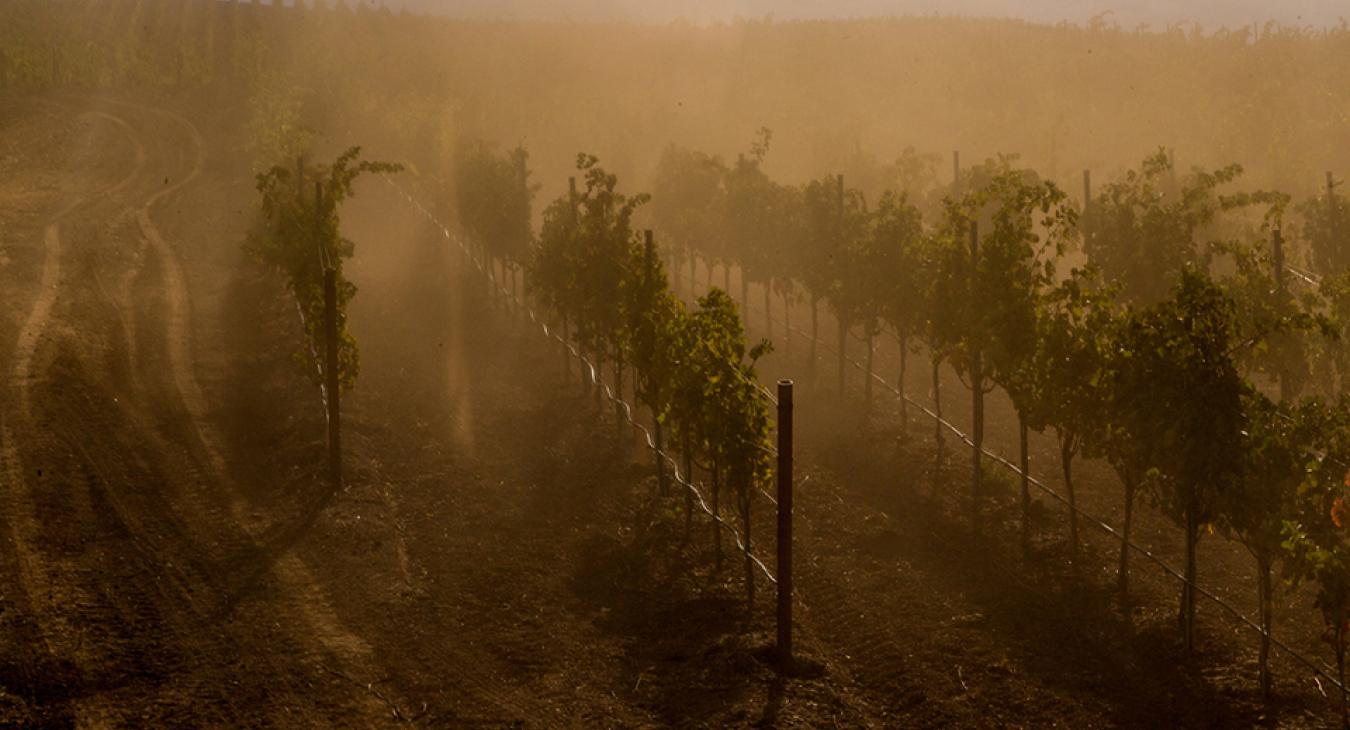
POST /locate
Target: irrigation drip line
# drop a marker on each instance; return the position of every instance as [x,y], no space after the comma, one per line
[596,379]
[651,442]
[1304,275]
[763,390]
[318,369]
[1322,670]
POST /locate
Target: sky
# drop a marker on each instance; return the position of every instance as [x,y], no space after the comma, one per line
[1210,14]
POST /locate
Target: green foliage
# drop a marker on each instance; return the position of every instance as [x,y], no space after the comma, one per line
[692,369]
[1155,390]
[834,218]
[655,322]
[1264,495]
[729,213]
[1317,542]
[1069,383]
[1085,389]
[551,273]
[761,219]
[1182,380]
[1279,324]
[735,415]
[1326,228]
[605,241]
[989,305]
[1273,468]
[893,266]
[1141,230]
[1335,293]
[88,44]
[688,200]
[298,231]
[276,121]
[585,259]
[912,175]
[494,198]
[1085,375]
[853,290]
[1153,385]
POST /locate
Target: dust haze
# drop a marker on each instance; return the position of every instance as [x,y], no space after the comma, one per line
[606,363]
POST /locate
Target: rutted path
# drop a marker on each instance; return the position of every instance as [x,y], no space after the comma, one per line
[143,570]
[37,579]
[299,582]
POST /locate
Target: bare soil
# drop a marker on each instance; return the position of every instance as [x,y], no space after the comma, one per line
[173,556]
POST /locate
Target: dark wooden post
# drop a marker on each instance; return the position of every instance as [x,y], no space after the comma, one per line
[745,299]
[1026,487]
[746,524]
[572,198]
[523,175]
[1277,270]
[649,248]
[331,376]
[330,332]
[572,209]
[1277,260]
[977,389]
[566,354]
[521,250]
[867,377]
[1331,202]
[1087,202]
[815,335]
[937,426]
[768,309]
[785,524]
[843,325]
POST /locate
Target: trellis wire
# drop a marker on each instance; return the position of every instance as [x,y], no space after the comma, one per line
[1320,670]
[1316,667]
[595,377]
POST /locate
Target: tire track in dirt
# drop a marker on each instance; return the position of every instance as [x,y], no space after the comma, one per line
[95,606]
[1026,595]
[75,604]
[301,587]
[475,658]
[36,578]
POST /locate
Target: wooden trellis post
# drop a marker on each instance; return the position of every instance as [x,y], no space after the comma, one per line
[785,524]
[330,336]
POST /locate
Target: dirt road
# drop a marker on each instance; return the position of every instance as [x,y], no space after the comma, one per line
[173,556]
[130,541]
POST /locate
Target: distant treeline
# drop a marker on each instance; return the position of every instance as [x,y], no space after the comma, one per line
[1064,97]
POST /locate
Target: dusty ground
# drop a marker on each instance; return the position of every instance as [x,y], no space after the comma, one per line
[173,556]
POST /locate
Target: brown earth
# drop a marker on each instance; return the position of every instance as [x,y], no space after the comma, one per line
[499,557]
